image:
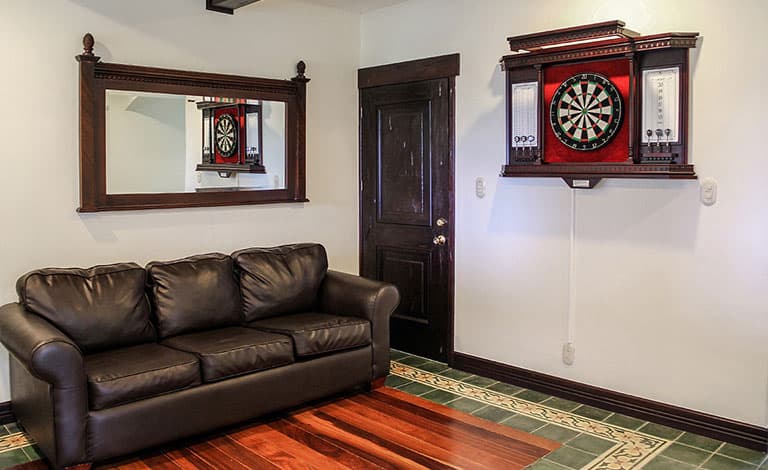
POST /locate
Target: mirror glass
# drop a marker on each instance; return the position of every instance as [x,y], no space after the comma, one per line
[164,143]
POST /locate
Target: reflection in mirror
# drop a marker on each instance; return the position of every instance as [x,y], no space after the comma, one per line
[163,143]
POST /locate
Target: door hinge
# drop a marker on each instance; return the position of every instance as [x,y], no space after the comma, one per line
[361,112]
[440,90]
[361,186]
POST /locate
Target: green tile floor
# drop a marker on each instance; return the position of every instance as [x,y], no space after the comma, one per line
[592,438]
[15,447]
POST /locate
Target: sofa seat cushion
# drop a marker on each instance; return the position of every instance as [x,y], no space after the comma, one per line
[129,374]
[319,333]
[228,352]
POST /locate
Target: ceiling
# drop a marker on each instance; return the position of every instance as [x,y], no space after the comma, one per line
[357,6]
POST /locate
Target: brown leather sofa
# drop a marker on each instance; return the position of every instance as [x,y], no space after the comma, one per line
[113,359]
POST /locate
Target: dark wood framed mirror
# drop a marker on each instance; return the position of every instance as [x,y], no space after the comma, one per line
[153,138]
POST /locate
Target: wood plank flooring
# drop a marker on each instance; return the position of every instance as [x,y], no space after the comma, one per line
[383,429]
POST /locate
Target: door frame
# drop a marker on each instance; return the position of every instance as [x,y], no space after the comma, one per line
[446,66]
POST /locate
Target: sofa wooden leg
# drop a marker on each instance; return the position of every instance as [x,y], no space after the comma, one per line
[378,383]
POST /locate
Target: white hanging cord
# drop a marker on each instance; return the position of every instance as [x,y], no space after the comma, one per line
[572,272]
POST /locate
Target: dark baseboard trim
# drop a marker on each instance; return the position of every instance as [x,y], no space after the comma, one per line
[723,429]
[6,413]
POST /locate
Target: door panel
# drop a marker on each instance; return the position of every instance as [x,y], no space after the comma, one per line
[404,164]
[409,270]
[407,185]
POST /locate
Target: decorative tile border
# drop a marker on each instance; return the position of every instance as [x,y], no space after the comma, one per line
[14,441]
[632,449]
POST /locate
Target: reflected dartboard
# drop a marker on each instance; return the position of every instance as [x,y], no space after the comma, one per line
[226,135]
[586,111]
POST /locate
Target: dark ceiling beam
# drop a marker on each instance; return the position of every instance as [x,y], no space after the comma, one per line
[227,6]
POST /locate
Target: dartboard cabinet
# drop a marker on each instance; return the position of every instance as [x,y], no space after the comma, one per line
[598,101]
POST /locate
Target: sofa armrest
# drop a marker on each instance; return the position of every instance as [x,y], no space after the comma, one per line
[48,388]
[350,295]
[43,349]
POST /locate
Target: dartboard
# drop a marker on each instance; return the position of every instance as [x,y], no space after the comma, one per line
[586,111]
[226,136]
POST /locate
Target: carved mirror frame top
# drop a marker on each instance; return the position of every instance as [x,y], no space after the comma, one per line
[97,77]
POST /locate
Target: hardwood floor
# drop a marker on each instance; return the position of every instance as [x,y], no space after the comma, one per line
[383,429]
[591,437]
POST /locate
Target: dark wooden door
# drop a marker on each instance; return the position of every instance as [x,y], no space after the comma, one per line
[406,224]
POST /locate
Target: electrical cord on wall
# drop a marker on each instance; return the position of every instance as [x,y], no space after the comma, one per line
[568,347]
[572,272]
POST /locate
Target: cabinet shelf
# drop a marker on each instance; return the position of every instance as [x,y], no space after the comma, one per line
[230,168]
[578,174]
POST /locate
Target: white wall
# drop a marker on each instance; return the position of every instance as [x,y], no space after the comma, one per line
[38,41]
[273,146]
[671,296]
[155,162]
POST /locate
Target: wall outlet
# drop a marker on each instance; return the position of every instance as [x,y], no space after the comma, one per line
[569,353]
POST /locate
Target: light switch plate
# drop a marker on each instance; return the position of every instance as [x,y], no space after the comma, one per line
[480,187]
[708,191]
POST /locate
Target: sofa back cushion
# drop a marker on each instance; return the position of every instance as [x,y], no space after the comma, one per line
[280,280]
[195,293]
[99,308]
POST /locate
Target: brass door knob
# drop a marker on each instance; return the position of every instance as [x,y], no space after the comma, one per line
[439,240]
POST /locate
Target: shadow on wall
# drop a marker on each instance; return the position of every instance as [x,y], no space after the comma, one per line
[108,226]
[694,59]
[132,14]
[530,207]
[155,20]
[274,143]
[135,14]
[635,212]
[520,206]
[641,212]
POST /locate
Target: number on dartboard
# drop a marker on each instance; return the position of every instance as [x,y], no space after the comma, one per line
[586,111]
[226,135]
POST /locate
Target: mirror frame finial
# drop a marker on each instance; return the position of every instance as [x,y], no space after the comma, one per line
[301,69]
[87,55]
[88,42]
